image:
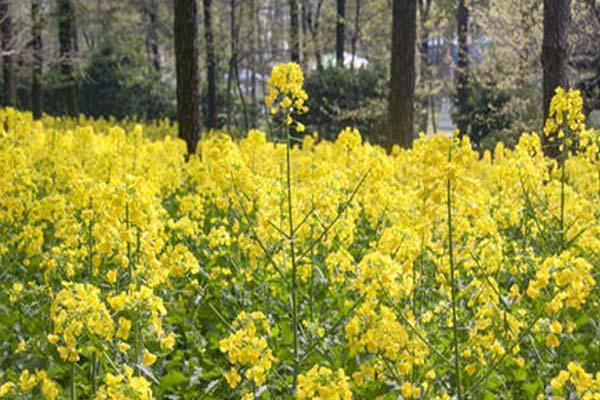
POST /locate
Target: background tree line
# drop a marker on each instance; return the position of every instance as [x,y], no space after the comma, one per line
[385,66]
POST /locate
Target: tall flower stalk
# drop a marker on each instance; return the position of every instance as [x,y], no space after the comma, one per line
[565,121]
[286,95]
[294,279]
[453,282]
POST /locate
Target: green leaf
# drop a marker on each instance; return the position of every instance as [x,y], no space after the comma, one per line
[494,381]
[531,389]
[489,396]
[579,349]
[172,379]
[520,374]
[582,321]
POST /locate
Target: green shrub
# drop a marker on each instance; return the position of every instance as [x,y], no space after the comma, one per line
[344,97]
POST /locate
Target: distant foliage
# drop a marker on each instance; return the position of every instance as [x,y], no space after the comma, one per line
[342,97]
[484,111]
[115,83]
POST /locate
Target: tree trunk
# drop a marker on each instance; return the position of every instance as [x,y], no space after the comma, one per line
[424,7]
[37,89]
[340,34]
[8,67]
[188,74]
[252,57]
[236,67]
[67,38]
[303,32]
[433,117]
[260,47]
[211,65]
[152,35]
[555,56]
[402,83]
[312,21]
[462,68]
[294,32]
[356,32]
[232,61]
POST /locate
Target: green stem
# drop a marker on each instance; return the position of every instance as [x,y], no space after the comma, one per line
[90,250]
[562,205]
[129,266]
[293,259]
[93,373]
[138,342]
[73,389]
[562,201]
[453,284]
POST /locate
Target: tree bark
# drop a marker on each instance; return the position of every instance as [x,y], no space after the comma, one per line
[232,60]
[152,35]
[67,38]
[312,21]
[424,7]
[236,68]
[340,33]
[260,47]
[462,68]
[8,67]
[252,57]
[294,32]
[555,45]
[303,33]
[37,89]
[402,83]
[356,32]
[187,71]
[211,64]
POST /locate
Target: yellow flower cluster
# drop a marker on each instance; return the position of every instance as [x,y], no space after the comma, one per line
[247,349]
[286,92]
[48,389]
[573,278]
[285,89]
[142,302]
[565,112]
[391,351]
[586,385]
[321,383]
[77,311]
[124,386]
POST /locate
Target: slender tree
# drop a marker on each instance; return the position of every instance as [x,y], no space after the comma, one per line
[462,67]
[236,65]
[211,65]
[402,82]
[8,67]
[187,71]
[557,18]
[294,32]
[260,45]
[67,38]
[233,74]
[312,23]
[232,59]
[340,34]
[152,48]
[253,49]
[37,89]
[356,33]
[424,7]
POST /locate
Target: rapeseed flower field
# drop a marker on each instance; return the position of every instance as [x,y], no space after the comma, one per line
[306,269]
